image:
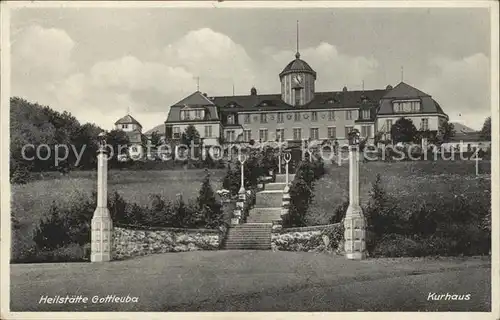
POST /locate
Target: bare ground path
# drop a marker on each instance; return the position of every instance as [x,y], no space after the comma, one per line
[255,280]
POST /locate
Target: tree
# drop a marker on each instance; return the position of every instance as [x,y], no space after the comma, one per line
[404,131]
[486,129]
[446,131]
[155,139]
[119,141]
[189,135]
[208,205]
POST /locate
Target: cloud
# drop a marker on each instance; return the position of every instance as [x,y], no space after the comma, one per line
[462,87]
[42,53]
[334,69]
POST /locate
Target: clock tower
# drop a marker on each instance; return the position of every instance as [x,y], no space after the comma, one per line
[297,80]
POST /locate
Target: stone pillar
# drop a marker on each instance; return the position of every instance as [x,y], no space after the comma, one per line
[102,226]
[242,162]
[354,222]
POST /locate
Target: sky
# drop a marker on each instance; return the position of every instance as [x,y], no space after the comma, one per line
[101,63]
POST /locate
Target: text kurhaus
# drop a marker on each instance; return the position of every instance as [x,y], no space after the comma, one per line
[447,296]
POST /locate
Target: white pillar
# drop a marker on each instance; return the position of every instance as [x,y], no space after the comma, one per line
[242,188]
[279,163]
[354,222]
[102,226]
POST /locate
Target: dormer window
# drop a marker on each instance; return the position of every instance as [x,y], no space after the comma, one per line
[406,106]
[365,114]
[230,119]
[185,115]
[198,114]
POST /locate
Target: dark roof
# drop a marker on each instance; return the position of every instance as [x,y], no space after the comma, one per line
[195,100]
[159,128]
[128,119]
[297,65]
[273,102]
[405,91]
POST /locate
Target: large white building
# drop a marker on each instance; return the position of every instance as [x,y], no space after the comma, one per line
[300,113]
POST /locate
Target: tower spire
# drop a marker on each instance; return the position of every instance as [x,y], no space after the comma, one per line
[297,55]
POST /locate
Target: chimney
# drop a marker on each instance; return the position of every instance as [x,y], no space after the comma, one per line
[205,94]
[253,91]
[389,87]
[344,89]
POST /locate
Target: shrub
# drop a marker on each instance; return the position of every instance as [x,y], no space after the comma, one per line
[301,196]
[395,245]
[335,234]
[52,231]
[340,212]
[209,208]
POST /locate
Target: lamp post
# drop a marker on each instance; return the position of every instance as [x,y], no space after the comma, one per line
[287,157]
[242,158]
[354,221]
[102,225]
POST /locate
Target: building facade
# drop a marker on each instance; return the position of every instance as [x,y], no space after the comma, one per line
[300,113]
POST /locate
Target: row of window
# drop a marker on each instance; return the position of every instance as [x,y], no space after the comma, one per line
[298,116]
[207,132]
[424,124]
[192,114]
[406,106]
[366,131]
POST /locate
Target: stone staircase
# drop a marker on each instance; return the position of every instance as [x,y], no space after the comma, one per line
[256,232]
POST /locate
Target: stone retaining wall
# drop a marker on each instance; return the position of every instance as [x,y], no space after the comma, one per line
[128,242]
[309,239]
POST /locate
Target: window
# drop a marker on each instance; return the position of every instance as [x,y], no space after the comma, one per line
[314,134]
[263,135]
[425,124]
[246,118]
[331,115]
[365,114]
[296,116]
[280,135]
[406,106]
[177,132]
[332,133]
[388,125]
[366,131]
[230,119]
[297,97]
[208,131]
[297,134]
[263,118]
[247,135]
[347,130]
[314,116]
[230,135]
[198,114]
[348,115]
[281,117]
[187,115]
[124,126]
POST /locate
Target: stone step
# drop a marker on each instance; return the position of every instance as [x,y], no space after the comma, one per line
[282,178]
[249,236]
[275,186]
[264,215]
[269,199]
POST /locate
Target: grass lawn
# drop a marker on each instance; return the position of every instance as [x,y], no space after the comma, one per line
[32,201]
[255,281]
[411,182]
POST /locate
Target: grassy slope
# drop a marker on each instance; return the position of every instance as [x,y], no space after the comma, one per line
[409,182]
[31,201]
